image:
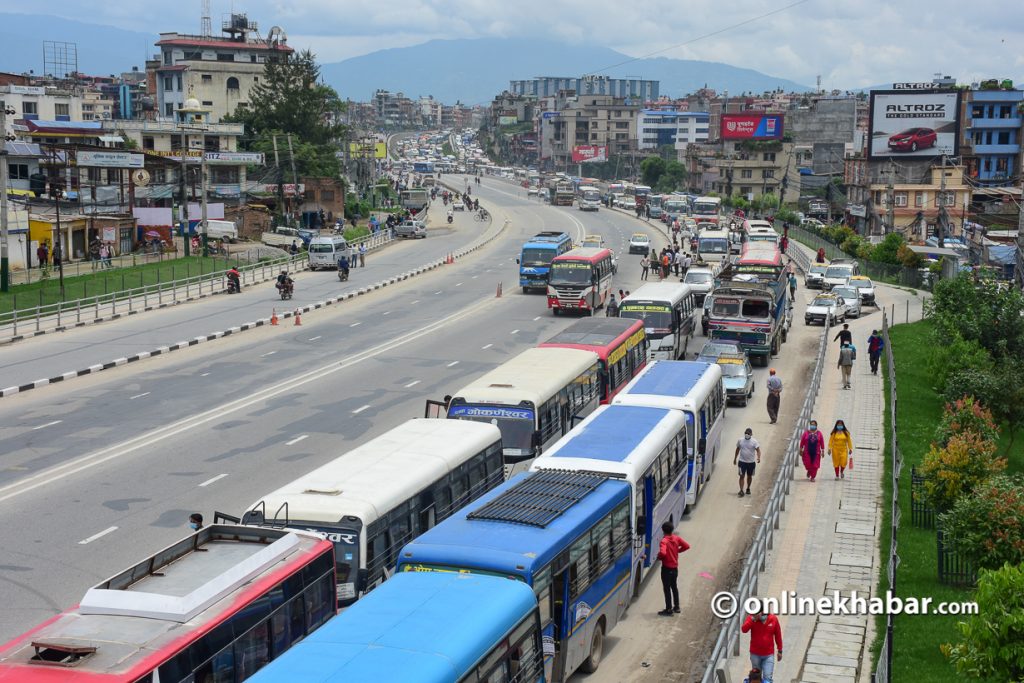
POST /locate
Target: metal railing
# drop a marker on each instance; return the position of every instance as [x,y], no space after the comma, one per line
[883,272]
[127,301]
[922,515]
[728,642]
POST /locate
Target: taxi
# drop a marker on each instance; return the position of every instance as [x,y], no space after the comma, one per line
[639,243]
[866,288]
[737,377]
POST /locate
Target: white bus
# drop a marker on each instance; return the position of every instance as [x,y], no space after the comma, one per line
[696,389]
[379,496]
[667,311]
[646,447]
[533,398]
[713,245]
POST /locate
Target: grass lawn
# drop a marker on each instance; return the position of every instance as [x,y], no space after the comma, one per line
[916,639]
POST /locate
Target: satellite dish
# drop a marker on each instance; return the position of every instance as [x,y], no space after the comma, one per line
[140,177]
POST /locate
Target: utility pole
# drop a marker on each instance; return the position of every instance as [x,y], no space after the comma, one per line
[58,245]
[295,176]
[202,184]
[184,202]
[890,191]
[5,265]
[940,221]
[280,187]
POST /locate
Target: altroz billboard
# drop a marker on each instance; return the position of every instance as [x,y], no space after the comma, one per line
[908,124]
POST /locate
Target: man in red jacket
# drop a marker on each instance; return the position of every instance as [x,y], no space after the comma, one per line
[668,553]
[765,638]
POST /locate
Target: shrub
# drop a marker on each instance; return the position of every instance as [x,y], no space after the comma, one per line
[960,466]
[966,415]
[988,523]
[952,353]
[978,383]
[992,641]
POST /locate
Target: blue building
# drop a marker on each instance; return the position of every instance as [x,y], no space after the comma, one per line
[630,88]
[659,127]
[993,129]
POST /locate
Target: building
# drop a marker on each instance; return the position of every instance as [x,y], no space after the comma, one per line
[219,71]
[430,111]
[992,130]
[569,121]
[395,110]
[752,169]
[657,128]
[625,88]
[39,103]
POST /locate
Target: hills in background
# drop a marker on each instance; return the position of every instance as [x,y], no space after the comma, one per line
[472,71]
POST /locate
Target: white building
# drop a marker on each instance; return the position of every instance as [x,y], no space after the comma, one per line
[657,128]
[36,103]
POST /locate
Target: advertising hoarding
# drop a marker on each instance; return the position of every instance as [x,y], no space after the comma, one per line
[366,150]
[913,124]
[110,160]
[508,120]
[582,154]
[751,127]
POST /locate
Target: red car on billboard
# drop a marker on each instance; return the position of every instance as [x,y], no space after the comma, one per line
[912,139]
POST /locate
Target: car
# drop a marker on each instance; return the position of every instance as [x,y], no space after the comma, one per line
[839,273]
[657,212]
[851,296]
[531,191]
[812,223]
[701,281]
[712,349]
[815,276]
[912,139]
[737,377]
[706,225]
[457,205]
[408,229]
[828,309]
[627,202]
[594,241]
[639,243]
[866,288]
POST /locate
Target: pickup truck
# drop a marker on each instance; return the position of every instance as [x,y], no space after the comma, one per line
[283,237]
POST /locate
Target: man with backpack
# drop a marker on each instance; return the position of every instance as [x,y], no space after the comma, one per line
[875,345]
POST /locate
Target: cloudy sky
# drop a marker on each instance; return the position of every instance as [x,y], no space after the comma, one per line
[849,44]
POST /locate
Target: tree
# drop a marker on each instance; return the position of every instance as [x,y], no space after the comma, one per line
[672,179]
[651,170]
[887,251]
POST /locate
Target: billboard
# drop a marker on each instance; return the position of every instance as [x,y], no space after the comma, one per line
[111,160]
[582,154]
[913,124]
[751,127]
[507,120]
[365,150]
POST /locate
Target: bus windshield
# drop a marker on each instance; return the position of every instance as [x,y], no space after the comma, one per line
[346,553]
[516,424]
[570,273]
[537,257]
[654,315]
[592,196]
[705,209]
[714,245]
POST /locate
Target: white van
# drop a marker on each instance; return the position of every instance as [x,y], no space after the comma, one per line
[324,251]
[221,230]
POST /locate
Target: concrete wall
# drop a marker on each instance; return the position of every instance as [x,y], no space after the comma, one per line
[823,121]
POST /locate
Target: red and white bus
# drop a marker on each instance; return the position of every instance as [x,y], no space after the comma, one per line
[620,344]
[580,280]
[216,606]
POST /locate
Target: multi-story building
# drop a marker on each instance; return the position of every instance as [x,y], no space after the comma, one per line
[657,128]
[395,110]
[570,120]
[40,103]
[752,169]
[430,111]
[625,88]
[219,71]
[992,129]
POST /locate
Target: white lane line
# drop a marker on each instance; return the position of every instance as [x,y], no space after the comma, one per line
[212,479]
[412,384]
[438,291]
[459,284]
[484,348]
[360,409]
[537,318]
[48,424]
[268,353]
[355,324]
[453,363]
[414,302]
[205,374]
[101,534]
[132,398]
[315,338]
[475,277]
[296,440]
[386,313]
[514,332]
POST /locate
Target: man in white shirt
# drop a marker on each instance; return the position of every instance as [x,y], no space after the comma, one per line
[748,453]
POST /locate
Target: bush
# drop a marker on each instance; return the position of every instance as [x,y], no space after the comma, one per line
[966,415]
[952,353]
[988,523]
[961,466]
[992,644]
[977,383]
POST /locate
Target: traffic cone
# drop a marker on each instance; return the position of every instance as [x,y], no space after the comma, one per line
[298,317]
[497,294]
[273,317]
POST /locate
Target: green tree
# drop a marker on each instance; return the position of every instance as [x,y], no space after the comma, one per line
[887,251]
[651,170]
[672,178]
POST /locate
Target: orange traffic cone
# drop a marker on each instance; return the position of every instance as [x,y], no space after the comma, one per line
[298,317]
[273,317]
[497,294]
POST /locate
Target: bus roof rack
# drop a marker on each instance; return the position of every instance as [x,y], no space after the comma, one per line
[540,498]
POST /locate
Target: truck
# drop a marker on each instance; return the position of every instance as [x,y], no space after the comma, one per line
[565,194]
[750,305]
[535,259]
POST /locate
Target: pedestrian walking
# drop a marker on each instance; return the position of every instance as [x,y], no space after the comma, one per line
[666,264]
[43,254]
[94,253]
[748,453]
[687,262]
[846,357]
[765,642]
[840,447]
[294,249]
[362,255]
[645,265]
[792,285]
[844,336]
[104,255]
[677,261]
[668,553]
[875,346]
[611,309]
[774,395]
[812,447]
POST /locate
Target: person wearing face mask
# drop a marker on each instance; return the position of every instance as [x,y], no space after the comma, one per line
[840,447]
[812,446]
[195,521]
[748,453]
[765,642]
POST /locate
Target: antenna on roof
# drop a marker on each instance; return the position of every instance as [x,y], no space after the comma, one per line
[207,25]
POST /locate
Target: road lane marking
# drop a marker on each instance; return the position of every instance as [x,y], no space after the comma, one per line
[101,534]
[211,480]
[514,332]
[484,348]
[132,398]
[386,313]
[48,424]
[475,277]
[459,284]
[414,302]
[438,291]
[205,374]
[360,409]
[412,384]
[296,440]
[315,338]
[189,424]
[453,363]
[537,318]
[268,353]
[355,324]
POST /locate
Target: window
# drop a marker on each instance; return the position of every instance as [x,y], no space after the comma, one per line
[919,199]
[18,171]
[225,57]
[326,195]
[168,60]
[769,156]
[168,83]
[192,55]
[169,109]
[746,189]
[1002,165]
[176,142]
[207,103]
[768,173]
[746,173]
[1004,138]
[177,81]
[207,78]
[947,198]
[28,107]
[223,175]
[232,83]
[622,125]
[901,199]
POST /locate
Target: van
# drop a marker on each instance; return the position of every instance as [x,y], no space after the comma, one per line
[221,230]
[324,251]
[839,273]
[411,229]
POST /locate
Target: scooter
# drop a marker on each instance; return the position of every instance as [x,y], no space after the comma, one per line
[343,274]
[286,290]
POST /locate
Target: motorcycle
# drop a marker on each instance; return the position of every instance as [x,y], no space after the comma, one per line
[234,286]
[286,289]
[343,274]
[450,219]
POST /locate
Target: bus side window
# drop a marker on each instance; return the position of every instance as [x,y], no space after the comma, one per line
[579,566]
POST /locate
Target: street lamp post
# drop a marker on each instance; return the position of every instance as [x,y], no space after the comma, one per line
[58,244]
[5,266]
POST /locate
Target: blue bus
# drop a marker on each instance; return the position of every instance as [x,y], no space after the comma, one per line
[423,628]
[565,534]
[644,447]
[535,259]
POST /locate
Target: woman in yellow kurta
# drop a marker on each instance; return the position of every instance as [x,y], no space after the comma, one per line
[840,447]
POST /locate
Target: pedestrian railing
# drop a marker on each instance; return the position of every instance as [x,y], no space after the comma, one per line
[728,642]
[922,515]
[955,569]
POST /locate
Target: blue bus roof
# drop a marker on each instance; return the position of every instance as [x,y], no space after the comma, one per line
[669,379]
[417,627]
[611,434]
[508,547]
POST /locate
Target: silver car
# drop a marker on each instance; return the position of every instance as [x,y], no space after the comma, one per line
[851,295]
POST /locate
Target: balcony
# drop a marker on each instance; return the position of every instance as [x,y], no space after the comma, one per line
[982,150]
[997,96]
[988,124]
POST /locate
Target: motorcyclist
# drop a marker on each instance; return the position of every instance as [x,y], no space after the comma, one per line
[284,281]
[451,215]
[234,280]
[343,266]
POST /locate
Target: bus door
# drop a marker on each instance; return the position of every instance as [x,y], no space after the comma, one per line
[645,520]
[436,409]
[556,632]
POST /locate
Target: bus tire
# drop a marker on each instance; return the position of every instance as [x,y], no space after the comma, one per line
[593,661]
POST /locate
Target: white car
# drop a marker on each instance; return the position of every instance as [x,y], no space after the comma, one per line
[639,243]
[866,288]
[627,202]
[825,309]
[851,296]
[457,205]
[531,191]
